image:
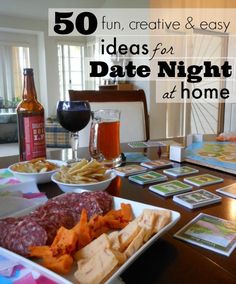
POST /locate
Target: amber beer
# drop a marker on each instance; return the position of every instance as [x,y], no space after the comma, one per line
[109,139]
[104,142]
[30,117]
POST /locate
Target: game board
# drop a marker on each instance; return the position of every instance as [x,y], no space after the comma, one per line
[217,155]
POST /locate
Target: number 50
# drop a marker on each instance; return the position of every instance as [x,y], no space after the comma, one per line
[62,18]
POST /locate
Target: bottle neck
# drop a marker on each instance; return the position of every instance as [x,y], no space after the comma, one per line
[29,92]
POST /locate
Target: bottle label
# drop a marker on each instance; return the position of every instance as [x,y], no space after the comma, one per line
[34,137]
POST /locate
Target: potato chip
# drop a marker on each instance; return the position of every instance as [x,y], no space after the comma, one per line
[39,165]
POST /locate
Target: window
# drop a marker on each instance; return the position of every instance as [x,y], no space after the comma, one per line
[71,66]
[74,68]
[12,61]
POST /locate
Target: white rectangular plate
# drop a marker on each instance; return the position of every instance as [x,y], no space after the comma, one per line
[137,210]
[34,267]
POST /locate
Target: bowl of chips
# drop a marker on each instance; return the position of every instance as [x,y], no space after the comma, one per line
[39,170]
[83,175]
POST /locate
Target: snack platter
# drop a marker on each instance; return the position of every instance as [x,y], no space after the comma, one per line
[137,210]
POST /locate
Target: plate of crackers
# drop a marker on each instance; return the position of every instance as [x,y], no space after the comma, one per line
[83,175]
[39,170]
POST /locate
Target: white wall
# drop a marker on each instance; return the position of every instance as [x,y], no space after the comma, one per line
[48,87]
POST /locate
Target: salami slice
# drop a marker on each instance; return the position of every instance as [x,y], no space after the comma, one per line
[5,226]
[104,200]
[40,227]
[24,234]
[96,202]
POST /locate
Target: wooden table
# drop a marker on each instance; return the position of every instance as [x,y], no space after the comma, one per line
[168,260]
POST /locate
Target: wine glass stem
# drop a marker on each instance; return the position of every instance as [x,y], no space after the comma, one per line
[75,145]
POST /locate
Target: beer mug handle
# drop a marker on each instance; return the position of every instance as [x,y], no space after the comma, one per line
[93,139]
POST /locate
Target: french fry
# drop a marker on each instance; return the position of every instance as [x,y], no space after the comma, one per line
[77,166]
[82,172]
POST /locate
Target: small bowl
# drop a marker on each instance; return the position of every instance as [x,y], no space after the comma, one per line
[96,186]
[37,177]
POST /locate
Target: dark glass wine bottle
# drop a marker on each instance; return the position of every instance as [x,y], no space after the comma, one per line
[31,124]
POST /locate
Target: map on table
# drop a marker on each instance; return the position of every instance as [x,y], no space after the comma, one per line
[217,155]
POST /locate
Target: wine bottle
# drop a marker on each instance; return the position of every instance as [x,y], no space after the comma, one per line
[31,124]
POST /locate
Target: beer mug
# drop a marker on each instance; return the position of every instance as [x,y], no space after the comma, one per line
[104,142]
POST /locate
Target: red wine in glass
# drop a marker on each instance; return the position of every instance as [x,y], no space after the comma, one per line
[73,116]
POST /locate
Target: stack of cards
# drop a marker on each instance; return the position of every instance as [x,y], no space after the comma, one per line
[157,164]
[170,188]
[180,171]
[197,198]
[210,232]
[129,170]
[229,190]
[202,180]
[141,144]
[137,144]
[148,177]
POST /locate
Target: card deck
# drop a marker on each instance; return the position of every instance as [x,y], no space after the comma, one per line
[170,188]
[129,170]
[157,164]
[137,144]
[148,177]
[141,144]
[197,198]
[204,179]
[180,171]
[229,190]
[210,232]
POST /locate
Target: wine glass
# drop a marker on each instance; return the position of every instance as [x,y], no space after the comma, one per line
[73,116]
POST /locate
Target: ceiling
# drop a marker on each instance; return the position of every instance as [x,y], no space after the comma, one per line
[38,9]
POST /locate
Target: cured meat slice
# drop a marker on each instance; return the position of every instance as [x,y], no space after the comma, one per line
[40,226]
[24,234]
[5,226]
[94,203]
[104,200]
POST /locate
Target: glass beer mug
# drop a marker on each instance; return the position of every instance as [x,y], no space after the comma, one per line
[104,142]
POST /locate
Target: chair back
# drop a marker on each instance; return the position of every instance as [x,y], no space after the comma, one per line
[131,103]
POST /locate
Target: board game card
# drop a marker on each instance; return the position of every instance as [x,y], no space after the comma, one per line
[229,190]
[210,232]
[141,144]
[157,164]
[153,143]
[129,170]
[138,144]
[148,177]
[204,179]
[170,188]
[197,198]
[180,171]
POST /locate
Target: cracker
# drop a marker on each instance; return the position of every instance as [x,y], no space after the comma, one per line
[93,270]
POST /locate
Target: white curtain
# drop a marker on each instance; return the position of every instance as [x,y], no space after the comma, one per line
[6,73]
